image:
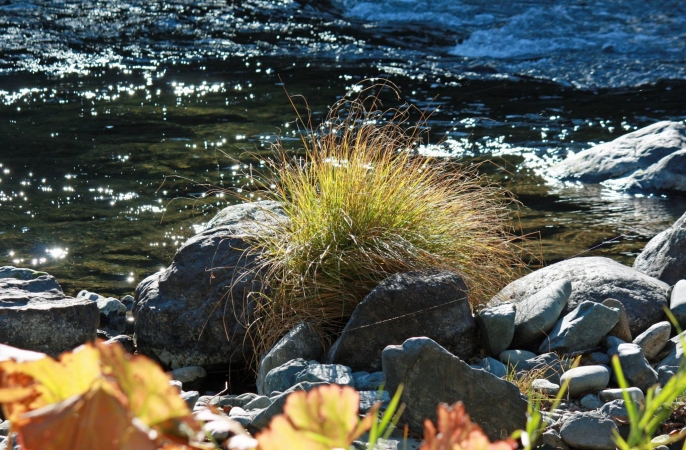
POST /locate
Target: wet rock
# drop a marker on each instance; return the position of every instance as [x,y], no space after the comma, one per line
[190,377]
[591,401]
[581,329]
[667,175]
[596,279]
[635,367]
[263,418]
[589,430]
[547,366]
[537,314]
[493,366]
[545,387]
[514,357]
[430,375]
[664,257]
[368,381]
[677,302]
[326,373]
[123,340]
[625,155]
[36,315]
[585,378]
[496,327]
[281,378]
[195,311]
[654,339]
[621,330]
[608,395]
[300,342]
[405,305]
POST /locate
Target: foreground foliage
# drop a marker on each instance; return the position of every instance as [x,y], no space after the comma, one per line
[362,203]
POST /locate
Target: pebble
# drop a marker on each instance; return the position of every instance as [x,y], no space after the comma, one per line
[591,401]
[586,378]
[545,387]
[654,339]
[608,395]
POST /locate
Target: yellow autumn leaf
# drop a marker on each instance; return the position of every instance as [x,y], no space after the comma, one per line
[322,419]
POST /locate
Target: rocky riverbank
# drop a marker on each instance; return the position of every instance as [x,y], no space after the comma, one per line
[413,329]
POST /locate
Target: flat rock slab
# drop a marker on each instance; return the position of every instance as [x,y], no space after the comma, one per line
[664,256]
[195,312]
[36,315]
[402,306]
[596,279]
[430,375]
[581,329]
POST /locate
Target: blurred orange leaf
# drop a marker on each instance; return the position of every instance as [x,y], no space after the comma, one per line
[457,432]
[322,419]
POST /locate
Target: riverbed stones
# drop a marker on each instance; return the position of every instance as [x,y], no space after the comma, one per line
[589,431]
[677,302]
[514,357]
[654,339]
[547,365]
[635,151]
[282,377]
[621,330]
[430,375]
[195,312]
[581,329]
[405,305]
[585,378]
[537,314]
[635,367]
[496,327]
[263,418]
[608,395]
[596,279]
[664,256]
[301,341]
[544,386]
[36,315]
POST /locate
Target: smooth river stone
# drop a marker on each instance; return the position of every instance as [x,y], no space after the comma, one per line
[581,329]
[654,339]
[677,302]
[585,378]
[497,327]
[537,314]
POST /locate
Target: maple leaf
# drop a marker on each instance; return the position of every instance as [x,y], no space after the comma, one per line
[324,418]
[457,432]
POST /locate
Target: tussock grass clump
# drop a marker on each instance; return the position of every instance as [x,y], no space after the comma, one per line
[362,204]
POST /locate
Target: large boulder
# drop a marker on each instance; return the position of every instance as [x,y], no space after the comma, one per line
[625,155]
[430,374]
[406,305]
[668,174]
[195,312]
[596,279]
[664,257]
[36,315]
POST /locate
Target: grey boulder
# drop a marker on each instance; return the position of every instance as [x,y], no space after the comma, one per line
[585,378]
[666,175]
[677,302]
[537,314]
[404,305]
[589,431]
[623,156]
[281,378]
[635,367]
[326,373]
[300,342]
[654,339]
[596,279]
[36,315]
[496,327]
[581,329]
[196,311]
[430,375]
[664,256]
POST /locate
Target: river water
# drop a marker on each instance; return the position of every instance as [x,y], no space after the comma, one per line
[116,115]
